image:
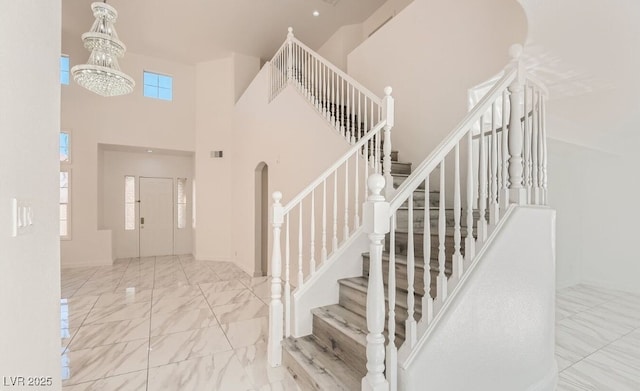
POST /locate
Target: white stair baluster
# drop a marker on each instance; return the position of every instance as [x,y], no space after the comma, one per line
[312,243]
[323,252]
[517,192]
[427,300]
[545,201]
[353,115]
[359,129]
[287,284]
[348,119]
[290,55]
[457,265]
[482,187]
[343,128]
[356,202]
[392,351]
[300,236]
[275,305]
[535,196]
[494,208]
[345,230]
[334,244]
[470,243]
[366,159]
[504,191]
[389,115]
[411,334]
[376,223]
[334,107]
[540,151]
[442,227]
[527,144]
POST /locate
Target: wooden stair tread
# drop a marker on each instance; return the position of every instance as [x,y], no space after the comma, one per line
[347,322]
[326,371]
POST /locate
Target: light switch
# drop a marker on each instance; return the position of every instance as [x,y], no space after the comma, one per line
[22,220]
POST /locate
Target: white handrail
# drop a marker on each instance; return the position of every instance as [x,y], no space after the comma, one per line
[337,70]
[501,168]
[332,169]
[440,152]
[366,122]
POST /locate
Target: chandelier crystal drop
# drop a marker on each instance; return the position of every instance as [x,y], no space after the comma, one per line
[101,74]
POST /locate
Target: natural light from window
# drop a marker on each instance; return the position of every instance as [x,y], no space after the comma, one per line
[129,203]
[182,203]
[64,70]
[158,86]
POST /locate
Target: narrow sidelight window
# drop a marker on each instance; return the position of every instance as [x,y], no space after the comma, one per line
[129,203]
[182,203]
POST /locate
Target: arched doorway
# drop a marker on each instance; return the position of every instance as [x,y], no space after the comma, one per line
[261,219]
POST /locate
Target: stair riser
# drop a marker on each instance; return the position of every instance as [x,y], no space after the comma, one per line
[402,281]
[400,168]
[419,201]
[397,181]
[355,301]
[302,378]
[402,217]
[402,238]
[349,350]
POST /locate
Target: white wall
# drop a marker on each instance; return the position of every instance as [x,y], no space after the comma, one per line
[498,332]
[340,44]
[219,84]
[29,166]
[382,15]
[116,165]
[127,120]
[431,53]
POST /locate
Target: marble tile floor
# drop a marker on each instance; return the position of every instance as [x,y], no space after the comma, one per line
[597,339]
[174,323]
[166,323]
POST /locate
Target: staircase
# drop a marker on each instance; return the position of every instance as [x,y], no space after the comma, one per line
[333,357]
[381,318]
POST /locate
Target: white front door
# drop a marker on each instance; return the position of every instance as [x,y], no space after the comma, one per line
[156,216]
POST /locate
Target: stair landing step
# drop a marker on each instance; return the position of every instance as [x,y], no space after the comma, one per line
[316,367]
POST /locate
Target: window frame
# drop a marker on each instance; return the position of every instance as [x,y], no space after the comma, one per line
[179,203]
[156,86]
[135,211]
[66,168]
[67,71]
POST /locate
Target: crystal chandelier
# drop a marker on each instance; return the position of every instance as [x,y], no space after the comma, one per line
[101,74]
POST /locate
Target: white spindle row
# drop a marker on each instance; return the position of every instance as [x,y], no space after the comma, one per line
[339,209]
[348,106]
[477,161]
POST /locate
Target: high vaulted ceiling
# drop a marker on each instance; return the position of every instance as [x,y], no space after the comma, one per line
[197,30]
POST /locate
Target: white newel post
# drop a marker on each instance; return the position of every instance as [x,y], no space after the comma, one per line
[388,114]
[376,225]
[290,54]
[517,192]
[275,306]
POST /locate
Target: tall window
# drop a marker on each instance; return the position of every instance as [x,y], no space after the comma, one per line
[182,203]
[158,86]
[64,70]
[129,203]
[65,179]
[65,185]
